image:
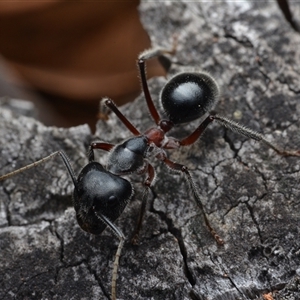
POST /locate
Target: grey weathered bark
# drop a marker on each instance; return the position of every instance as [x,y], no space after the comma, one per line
[250,193]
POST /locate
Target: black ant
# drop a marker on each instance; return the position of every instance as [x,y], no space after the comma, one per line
[101,194]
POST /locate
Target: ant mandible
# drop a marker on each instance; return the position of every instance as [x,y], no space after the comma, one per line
[101,194]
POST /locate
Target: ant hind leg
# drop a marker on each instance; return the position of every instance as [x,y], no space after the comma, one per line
[236,127]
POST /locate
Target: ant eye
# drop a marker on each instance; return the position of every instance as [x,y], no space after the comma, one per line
[188,96]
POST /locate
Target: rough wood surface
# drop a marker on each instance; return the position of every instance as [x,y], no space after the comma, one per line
[250,193]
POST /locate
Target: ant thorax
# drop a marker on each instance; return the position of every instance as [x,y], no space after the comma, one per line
[128,156]
[155,152]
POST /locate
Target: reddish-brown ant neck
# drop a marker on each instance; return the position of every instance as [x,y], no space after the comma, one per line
[165,125]
[155,135]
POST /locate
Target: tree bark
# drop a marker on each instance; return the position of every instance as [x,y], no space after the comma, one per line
[250,194]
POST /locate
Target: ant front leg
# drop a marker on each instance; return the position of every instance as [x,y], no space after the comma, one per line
[118,233]
[188,176]
[98,145]
[148,182]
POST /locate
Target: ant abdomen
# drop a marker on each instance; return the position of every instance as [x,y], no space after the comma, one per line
[188,96]
[99,193]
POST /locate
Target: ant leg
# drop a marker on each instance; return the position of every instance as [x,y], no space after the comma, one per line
[234,126]
[191,139]
[118,233]
[36,163]
[173,143]
[110,104]
[147,183]
[188,176]
[103,111]
[98,145]
[151,53]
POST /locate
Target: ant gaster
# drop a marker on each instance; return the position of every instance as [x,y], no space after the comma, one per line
[101,194]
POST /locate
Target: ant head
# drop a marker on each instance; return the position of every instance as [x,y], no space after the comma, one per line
[188,96]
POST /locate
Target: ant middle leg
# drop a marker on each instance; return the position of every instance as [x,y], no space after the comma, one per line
[188,176]
[112,106]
